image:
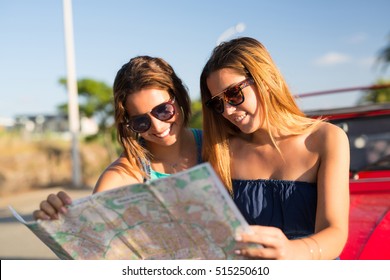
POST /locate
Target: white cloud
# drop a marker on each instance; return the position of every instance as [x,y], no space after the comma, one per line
[332,58]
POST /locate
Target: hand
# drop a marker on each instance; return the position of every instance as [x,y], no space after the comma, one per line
[54,204]
[275,245]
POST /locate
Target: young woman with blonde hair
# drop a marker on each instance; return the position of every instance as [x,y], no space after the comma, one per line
[287,173]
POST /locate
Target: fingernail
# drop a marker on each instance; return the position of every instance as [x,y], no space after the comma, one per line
[64,210]
[45,217]
[238,237]
[237,252]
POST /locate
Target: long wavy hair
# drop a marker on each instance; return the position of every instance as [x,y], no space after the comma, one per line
[139,73]
[248,57]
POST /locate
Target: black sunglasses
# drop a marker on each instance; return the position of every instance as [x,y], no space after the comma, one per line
[163,112]
[232,95]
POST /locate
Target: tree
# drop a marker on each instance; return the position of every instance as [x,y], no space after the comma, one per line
[384,55]
[196,119]
[96,101]
[381,94]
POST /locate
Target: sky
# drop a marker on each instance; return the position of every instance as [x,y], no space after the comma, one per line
[317,45]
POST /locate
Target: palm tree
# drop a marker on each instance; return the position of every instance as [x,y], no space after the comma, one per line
[384,55]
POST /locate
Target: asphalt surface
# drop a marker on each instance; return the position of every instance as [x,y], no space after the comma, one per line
[17,242]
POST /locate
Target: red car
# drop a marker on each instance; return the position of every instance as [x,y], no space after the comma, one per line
[368,130]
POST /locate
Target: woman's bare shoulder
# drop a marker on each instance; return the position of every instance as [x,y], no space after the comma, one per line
[329,130]
[328,135]
[117,174]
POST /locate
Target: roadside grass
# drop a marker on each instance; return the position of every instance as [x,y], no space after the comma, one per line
[41,161]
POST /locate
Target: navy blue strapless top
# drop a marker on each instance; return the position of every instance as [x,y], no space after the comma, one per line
[288,205]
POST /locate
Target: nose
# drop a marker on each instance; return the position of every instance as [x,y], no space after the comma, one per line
[156,124]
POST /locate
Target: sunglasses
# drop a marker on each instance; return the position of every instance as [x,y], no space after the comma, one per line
[163,112]
[232,95]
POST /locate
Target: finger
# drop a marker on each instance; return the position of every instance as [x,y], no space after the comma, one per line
[48,209]
[40,215]
[56,202]
[257,253]
[241,248]
[254,238]
[266,236]
[264,230]
[64,197]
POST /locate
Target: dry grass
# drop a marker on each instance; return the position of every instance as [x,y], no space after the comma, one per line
[27,163]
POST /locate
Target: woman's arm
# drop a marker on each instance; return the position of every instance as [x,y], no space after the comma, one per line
[331,229]
[333,193]
[116,175]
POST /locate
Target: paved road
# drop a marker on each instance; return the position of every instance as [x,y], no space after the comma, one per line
[16,240]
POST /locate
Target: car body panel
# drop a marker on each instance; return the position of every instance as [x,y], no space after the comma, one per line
[369,228]
[376,245]
[368,130]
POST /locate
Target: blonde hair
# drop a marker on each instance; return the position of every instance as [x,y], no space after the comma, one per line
[248,57]
[139,73]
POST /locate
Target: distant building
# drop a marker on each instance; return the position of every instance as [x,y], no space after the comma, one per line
[6,123]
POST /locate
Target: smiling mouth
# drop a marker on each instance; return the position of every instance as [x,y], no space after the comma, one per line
[240,118]
[164,133]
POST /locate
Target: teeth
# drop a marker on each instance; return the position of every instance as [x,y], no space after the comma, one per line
[240,118]
[165,133]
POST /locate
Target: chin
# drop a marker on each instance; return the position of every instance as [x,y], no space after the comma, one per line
[247,129]
[170,140]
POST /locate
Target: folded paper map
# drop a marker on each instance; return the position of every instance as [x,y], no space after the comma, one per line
[188,215]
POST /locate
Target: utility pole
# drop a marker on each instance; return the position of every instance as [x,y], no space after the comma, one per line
[73,105]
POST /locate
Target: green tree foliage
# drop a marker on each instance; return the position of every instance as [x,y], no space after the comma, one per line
[384,55]
[196,120]
[96,101]
[379,95]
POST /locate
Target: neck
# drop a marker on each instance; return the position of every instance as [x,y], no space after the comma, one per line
[161,153]
[176,157]
[262,137]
